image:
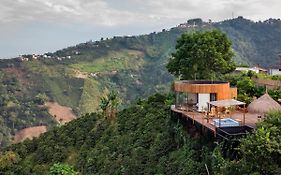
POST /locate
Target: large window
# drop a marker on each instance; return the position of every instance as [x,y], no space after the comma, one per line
[213,97]
[186,101]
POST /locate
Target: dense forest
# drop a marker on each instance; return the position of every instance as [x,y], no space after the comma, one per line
[134,66]
[143,139]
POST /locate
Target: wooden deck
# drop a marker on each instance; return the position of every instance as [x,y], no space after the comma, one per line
[250,118]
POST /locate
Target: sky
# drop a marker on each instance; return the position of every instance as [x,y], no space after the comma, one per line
[39,26]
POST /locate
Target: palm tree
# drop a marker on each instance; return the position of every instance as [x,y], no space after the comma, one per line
[109,104]
[114,102]
[104,102]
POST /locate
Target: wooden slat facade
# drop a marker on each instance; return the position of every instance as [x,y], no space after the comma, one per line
[222,89]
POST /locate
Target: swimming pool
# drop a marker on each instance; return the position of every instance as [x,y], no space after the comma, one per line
[226,122]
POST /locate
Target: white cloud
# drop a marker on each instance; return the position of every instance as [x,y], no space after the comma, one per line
[68,21]
[112,12]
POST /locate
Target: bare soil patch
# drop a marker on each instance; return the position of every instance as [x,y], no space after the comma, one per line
[82,75]
[29,133]
[62,114]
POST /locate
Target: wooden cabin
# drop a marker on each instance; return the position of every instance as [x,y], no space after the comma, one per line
[196,94]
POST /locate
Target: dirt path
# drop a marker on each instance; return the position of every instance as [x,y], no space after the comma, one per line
[30,133]
[62,114]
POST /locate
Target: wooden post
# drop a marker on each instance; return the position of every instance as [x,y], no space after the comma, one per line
[244,113]
[219,119]
[193,119]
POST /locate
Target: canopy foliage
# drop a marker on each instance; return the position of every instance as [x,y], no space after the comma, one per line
[202,55]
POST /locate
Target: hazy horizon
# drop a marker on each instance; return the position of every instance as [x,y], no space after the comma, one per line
[38,26]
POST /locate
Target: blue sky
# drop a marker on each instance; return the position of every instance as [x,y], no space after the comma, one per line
[38,26]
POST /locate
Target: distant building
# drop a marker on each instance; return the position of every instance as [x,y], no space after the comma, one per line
[254,69]
[21,58]
[34,56]
[274,71]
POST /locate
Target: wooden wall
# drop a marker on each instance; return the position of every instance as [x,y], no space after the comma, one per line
[222,90]
[269,84]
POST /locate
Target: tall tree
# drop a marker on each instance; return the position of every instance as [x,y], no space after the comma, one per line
[109,104]
[202,55]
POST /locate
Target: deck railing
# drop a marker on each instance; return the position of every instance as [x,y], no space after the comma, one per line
[233,132]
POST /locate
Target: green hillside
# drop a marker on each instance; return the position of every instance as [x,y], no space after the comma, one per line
[134,66]
[144,139]
[254,42]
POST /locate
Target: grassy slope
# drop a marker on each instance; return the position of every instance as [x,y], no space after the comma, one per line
[91,92]
[115,61]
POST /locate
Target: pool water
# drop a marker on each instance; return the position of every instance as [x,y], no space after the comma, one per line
[226,122]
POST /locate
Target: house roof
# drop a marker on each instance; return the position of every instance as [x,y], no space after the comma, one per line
[263,105]
[226,103]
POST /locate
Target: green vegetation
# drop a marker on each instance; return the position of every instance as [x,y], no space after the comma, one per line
[202,55]
[259,152]
[66,91]
[247,88]
[115,61]
[133,66]
[109,105]
[269,77]
[19,107]
[144,139]
[91,92]
[62,169]
[254,42]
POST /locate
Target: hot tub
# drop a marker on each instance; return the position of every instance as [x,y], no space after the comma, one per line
[226,122]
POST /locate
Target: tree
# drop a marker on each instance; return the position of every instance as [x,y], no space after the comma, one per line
[261,150]
[62,169]
[202,55]
[109,104]
[8,160]
[41,98]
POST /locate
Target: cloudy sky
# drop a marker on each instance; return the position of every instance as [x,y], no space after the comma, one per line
[38,26]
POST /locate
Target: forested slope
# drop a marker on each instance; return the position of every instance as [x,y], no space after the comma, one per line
[145,139]
[142,139]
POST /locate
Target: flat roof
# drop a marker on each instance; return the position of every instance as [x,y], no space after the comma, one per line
[201,82]
[226,103]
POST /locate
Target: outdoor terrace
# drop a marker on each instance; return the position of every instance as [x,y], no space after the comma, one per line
[208,122]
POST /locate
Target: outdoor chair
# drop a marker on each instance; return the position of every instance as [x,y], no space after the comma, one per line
[213,112]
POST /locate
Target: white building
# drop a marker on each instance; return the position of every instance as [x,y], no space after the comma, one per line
[254,69]
[274,71]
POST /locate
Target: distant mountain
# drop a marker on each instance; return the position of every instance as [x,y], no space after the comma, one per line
[256,43]
[134,66]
